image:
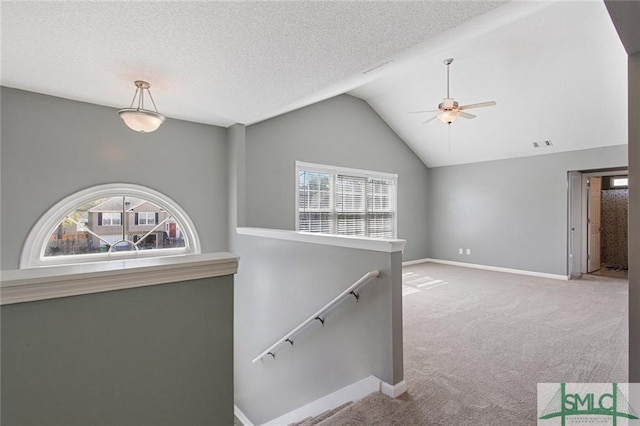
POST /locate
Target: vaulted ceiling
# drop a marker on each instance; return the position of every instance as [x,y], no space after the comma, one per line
[556,70]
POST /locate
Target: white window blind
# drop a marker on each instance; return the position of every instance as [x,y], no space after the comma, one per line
[315,204]
[336,200]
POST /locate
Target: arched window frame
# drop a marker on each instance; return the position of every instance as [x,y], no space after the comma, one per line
[32,255]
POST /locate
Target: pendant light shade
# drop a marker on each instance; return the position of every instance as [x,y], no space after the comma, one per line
[140,119]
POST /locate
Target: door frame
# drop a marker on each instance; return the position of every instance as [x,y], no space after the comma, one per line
[577,200]
[589,227]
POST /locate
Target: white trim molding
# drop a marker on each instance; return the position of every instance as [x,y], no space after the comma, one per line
[346,170]
[490,268]
[393,391]
[374,244]
[351,393]
[27,285]
[241,416]
[414,262]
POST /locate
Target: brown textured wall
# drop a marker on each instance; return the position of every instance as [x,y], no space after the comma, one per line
[614,223]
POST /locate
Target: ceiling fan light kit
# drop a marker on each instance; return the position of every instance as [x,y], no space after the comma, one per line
[449,109]
[448,116]
[140,119]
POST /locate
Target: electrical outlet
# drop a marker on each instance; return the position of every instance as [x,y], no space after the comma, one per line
[468,252]
[460,251]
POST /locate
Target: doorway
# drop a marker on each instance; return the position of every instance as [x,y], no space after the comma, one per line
[598,223]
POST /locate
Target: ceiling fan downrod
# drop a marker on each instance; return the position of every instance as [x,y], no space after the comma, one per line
[448,62]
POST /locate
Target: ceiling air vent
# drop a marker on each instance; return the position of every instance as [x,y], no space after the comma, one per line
[543,144]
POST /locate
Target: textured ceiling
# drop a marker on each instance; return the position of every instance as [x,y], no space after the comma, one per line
[556,69]
[212,62]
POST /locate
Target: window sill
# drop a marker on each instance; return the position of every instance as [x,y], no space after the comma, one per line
[374,244]
[26,285]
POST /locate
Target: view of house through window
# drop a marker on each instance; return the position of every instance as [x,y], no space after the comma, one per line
[336,200]
[119,223]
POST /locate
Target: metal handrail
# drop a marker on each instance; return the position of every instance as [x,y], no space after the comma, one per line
[317,316]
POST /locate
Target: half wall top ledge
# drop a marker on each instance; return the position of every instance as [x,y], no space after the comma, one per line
[373,244]
[26,285]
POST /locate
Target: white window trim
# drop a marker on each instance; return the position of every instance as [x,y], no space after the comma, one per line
[619,185]
[323,168]
[146,218]
[346,170]
[32,255]
[111,219]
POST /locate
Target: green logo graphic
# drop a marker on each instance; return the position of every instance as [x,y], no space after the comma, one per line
[614,405]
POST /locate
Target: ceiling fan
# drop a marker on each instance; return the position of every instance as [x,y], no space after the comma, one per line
[449,109]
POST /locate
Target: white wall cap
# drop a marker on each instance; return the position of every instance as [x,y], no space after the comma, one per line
[374,244]
[25,285]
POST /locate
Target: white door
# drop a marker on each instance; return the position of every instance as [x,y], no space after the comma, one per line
[593,226]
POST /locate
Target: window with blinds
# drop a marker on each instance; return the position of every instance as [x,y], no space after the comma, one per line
[336,200]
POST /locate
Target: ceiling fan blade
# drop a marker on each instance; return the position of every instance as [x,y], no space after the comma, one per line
[465,114]
[432,118]
[478,105]
[418,112]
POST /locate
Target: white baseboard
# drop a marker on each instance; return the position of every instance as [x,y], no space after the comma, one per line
[414,262]
[240,415]
[499,269]
[353,392]
[393,391]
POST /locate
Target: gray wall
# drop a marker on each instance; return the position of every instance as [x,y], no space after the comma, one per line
[342,131]
[158,355]
[279,285]
[510,213]
[53,147]
[236,142]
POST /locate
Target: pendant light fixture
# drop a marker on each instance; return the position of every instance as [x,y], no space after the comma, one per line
[140,119]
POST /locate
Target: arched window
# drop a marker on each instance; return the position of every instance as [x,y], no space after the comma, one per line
[108,222]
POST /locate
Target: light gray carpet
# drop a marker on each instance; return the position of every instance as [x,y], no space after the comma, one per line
[311,421]
[476,343]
